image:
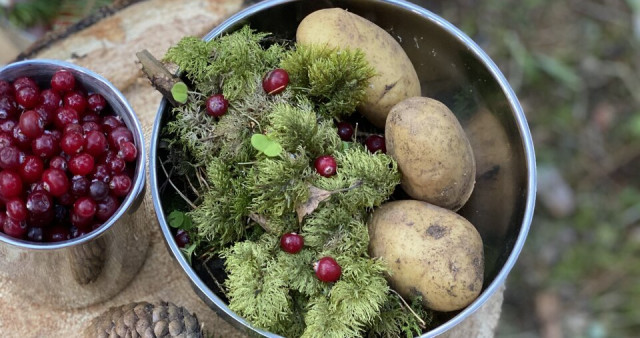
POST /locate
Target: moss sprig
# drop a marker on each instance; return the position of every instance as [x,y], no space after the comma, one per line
[336,79]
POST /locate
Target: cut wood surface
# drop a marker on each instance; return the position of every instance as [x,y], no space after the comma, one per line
[108,44]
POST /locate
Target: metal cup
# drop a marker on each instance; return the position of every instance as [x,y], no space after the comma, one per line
[94,267]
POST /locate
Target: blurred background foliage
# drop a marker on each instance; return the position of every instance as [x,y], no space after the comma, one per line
[575,65]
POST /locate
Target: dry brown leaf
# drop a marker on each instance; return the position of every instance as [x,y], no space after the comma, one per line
[316,195]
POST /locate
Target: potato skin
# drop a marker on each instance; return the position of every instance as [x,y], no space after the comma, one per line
[430,251]
[395,79]
[433,153]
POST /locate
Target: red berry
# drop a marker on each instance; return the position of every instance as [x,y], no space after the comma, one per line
[95,143]
[375,143]
[64,116]
[182,238]
[59,162]
[101,173]
[79,186]
[79,221]
[345,131]
[7,125]
[10,157]
[119,135]
[66,199]
[92,117]
[6,88]
[20,139]
[76,101]
[81,164]
[50,99]
[96,102]
[128,151]
[8,107]
[10,184]
[23,82]
[31,124]
[98,190]
[58,233]
[35,234]
[72,127]
[76,232]
[90,126]
[85,207]
[15,228]
[217,105]
[120,185]
[106,208]
[116,164]
[275,81]
[28,97]
[110,123]
[6,140]
[46,114]
[72,142]
[55,182]
[325,165]
[16,209]
[31,169]
[327,269]
[63,81]
[291,242]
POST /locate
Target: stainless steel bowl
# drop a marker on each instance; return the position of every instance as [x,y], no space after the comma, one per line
[452,69]
[94,267]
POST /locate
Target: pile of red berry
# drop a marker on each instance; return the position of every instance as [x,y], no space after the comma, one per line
[66,160]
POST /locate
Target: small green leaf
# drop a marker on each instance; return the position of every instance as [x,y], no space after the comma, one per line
[179,92]
[176,219]
[188,252]
[273,149]
[346,145]
[259,141]
[266,145]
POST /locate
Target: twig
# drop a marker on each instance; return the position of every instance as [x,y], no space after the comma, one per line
[422,322]
[176,188]
[215,280]
[195,191]
[160,77]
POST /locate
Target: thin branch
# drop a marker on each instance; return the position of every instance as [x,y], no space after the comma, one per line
[422,322]
[215,280]
[195,191]
[176,188]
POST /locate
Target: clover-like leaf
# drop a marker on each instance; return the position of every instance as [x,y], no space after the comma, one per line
[176,219]
[266,145]
[179,92]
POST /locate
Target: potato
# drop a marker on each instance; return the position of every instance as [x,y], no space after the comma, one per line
[396,78]
[432,151]
[431,252]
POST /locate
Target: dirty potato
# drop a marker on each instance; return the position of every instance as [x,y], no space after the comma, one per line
[432,151]
[431,252]
[395,79]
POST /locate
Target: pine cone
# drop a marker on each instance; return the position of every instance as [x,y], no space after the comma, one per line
[146,320]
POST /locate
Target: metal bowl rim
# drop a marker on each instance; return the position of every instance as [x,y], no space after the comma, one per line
[518,114]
